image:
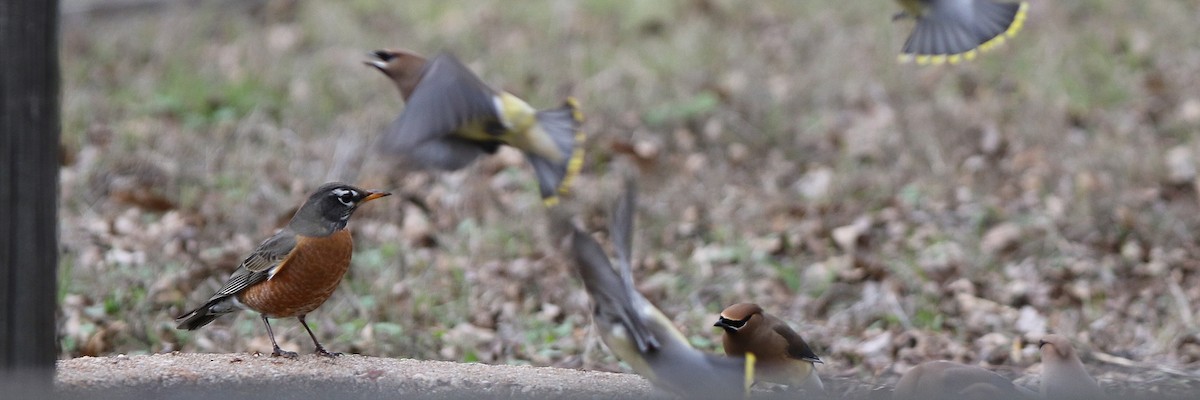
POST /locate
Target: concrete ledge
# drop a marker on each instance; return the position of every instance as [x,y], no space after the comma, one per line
[249,376]
[225,376]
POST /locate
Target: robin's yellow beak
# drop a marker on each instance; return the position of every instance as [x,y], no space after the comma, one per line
[375,195]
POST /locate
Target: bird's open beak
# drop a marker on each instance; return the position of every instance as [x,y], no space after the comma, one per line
[375,195]
[379,60]
[380,65]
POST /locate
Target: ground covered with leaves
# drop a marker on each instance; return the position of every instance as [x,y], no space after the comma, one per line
[894,214]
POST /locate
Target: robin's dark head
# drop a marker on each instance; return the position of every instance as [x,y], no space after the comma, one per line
[739,316]
[329,208]
[403,66]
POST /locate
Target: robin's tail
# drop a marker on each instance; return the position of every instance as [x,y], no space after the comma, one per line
[562,126]
[205,314]
[947,35]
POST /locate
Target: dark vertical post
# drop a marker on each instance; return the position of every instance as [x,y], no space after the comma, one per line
[29,132]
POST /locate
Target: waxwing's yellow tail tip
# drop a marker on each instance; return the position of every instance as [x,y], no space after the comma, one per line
[1013,28]
[575,163]
[937,59]
[1018,20]
[748,379]
[574,106]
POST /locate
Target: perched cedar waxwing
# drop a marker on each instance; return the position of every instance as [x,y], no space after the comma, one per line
[636,331]
[1063,376]
[783,356]
[955,30]
[451,117]
[952,381]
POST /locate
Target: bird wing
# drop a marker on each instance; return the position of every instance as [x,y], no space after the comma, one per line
[797,347]
[448,99]
[620,230]
[261,263]
[959,27]
[610,297]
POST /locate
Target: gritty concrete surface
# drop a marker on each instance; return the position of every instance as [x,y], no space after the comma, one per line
[225,376]
[256,376]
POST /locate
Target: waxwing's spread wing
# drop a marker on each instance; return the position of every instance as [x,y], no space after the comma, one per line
[448,99]
[609,295]
[621,232]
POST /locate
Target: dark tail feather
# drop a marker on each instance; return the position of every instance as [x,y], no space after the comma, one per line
[562,125]
[941,37]
[200,317]
[999,21]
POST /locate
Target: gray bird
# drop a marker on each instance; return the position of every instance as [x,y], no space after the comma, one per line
[1063,376]
[635,330]
[947,380]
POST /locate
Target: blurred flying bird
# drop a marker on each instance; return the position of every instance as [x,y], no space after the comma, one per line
[451,117]
[296,270]
[635,330]
[955,30]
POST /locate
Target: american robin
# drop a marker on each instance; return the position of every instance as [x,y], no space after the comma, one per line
[635,330]
[294,271]
[451,118]
[945,380]
[955,30]
[783,356]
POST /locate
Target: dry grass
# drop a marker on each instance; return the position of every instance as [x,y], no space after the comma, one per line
[894,213]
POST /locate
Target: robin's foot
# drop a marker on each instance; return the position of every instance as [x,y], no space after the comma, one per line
[322,352]
[285,354]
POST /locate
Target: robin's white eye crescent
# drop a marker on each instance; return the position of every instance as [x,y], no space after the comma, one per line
[346,196]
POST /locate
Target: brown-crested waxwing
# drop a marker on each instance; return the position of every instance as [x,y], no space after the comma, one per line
[783,356]
[451,117]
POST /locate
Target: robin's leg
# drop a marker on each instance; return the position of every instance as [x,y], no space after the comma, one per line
[277,352]
[320,349]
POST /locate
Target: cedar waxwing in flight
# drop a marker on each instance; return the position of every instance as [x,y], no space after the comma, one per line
[783,356]
[636,331]
[956,30]
[953,381]
[451,117]
[1063,376]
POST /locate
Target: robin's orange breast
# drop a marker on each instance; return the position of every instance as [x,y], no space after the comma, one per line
[305,279]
